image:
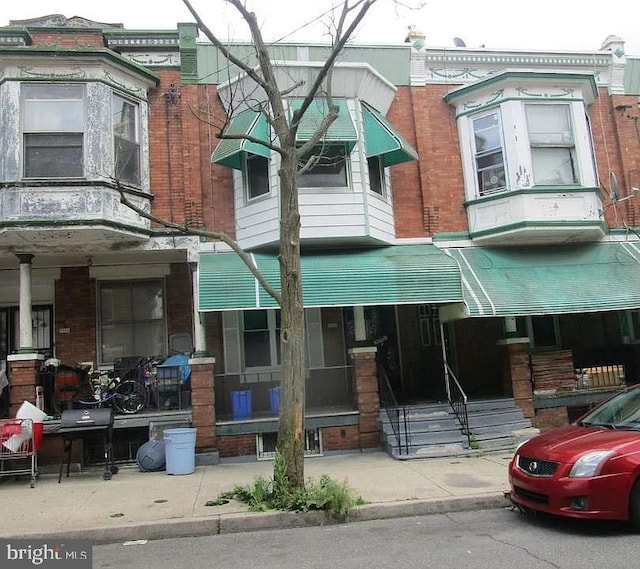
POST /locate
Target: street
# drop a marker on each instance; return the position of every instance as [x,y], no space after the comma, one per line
[496,539]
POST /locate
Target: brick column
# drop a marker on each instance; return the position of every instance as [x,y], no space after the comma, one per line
[367,396]
[518,370]
[23,378]
[202,402]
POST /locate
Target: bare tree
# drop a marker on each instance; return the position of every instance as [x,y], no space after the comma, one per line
[294,158]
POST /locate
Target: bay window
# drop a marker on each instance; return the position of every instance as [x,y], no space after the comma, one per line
[488,152]
[329,169]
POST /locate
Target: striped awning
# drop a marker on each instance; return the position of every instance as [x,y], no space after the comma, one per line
[342,130]
[383,140]
[230,150]
[521,281]
[404,274]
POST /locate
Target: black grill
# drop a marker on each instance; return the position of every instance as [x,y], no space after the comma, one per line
[533,496]
[536,467]
[78,424]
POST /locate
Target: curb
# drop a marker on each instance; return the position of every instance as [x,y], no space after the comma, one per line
[260,521]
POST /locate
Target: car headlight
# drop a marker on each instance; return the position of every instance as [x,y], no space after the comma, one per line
[589,463]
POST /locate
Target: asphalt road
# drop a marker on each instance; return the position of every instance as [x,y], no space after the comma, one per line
[496,539]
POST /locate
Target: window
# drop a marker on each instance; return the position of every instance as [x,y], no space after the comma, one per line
[256,176]
[132,319]
[261,335]
[53,130]
[126,141]
[552,144]
[489,158]
[429,325]
[376,175]
[329,170]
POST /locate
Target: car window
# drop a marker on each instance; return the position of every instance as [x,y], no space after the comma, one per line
[621,411]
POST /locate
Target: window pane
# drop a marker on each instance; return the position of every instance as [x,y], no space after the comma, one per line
[257,350]
[117,342]
[124,119]
[148,339]
[553,166]
[544,331]
[549,124]
[127,163]
[53,108]
[487,133]
[376,175]
[115,303]
[329,171]
[53,156]
[489,157]
[255,320]
[257,176]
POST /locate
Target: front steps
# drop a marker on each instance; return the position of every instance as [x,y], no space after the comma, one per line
[434,431]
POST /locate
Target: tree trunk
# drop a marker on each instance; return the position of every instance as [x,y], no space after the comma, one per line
[292,390]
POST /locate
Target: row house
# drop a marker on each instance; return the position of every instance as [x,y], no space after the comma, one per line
[469,232]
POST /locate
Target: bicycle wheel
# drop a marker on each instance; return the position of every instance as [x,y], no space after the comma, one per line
[130,396]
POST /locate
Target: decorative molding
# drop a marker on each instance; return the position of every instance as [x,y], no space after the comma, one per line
[137,91]
[153,58]
[72,73]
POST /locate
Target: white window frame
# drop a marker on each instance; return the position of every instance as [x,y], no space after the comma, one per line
[321,151]
[273,340]
[487,173]
[552,142]
[57,128]
[119,140]
[374,164]
[247,177]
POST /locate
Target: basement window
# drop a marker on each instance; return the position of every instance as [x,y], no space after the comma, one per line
[266,444]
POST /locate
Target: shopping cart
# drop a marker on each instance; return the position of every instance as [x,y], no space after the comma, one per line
[20,440]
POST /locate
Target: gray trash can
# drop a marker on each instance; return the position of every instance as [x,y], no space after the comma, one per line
[180,450]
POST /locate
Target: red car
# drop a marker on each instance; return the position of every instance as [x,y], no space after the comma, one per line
[590,469]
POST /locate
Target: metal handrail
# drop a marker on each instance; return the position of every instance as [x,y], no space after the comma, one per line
[458,400]
[397,414]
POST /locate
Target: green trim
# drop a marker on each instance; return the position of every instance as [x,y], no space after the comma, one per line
[451,236]
[402,274]
[78,52]
[530,224]
[498,102]
[569,188]
[466,90]
[230,152]
[549,279]
[342,130]
[381,139]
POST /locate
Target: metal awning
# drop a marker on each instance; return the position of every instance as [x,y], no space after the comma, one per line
[403,274]
[520,281]
[383,140]
[230,151]
[342,130]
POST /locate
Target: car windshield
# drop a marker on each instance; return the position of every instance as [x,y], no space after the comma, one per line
[620,412]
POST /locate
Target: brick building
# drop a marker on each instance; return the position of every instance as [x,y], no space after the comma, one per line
[473,225]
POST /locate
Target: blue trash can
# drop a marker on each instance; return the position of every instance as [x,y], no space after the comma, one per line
[180,451]
[274,400]
[241,405]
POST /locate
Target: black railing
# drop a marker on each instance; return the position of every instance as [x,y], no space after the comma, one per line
[396,414]
[458,400]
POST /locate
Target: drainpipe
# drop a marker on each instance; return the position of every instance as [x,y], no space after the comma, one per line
[26,333]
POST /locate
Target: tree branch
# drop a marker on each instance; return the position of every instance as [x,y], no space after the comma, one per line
[219,235]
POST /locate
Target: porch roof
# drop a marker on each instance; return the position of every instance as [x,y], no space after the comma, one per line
[403,274]
[520,281]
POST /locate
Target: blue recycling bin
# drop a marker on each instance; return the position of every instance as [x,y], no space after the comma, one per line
[274,400]
[180,450]
[241,405]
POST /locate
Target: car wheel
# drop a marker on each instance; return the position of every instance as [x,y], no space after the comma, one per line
[634,507]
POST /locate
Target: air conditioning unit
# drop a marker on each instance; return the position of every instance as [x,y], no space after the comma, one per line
[493,180]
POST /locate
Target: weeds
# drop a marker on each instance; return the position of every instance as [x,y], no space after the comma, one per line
[336,498]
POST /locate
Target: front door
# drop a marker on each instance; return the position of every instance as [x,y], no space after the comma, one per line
[432,385]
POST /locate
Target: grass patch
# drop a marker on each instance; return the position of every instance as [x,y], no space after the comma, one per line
[326,494]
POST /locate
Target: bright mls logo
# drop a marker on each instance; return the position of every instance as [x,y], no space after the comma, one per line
[20,553]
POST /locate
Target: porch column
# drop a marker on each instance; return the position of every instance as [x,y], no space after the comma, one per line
[199,332]
[517,373]
[367,396]
[203,402]
[359,324]
[26,333]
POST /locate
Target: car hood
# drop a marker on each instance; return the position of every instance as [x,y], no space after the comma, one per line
[567,443]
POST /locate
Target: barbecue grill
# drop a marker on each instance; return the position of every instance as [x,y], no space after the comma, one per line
[80,424]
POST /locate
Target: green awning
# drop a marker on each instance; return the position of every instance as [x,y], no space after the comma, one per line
[383,140]
[520,281]
[342,130]
[230,151]
[404,274]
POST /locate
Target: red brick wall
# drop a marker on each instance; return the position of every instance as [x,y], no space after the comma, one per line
[179,300]
[75,310]
[236,445]
[547,419]
[427,195]
[340,438]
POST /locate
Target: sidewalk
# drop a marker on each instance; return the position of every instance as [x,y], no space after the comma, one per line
[155,505]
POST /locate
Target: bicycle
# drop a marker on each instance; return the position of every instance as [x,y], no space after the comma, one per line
[98,389]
